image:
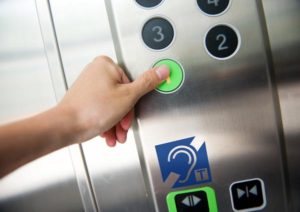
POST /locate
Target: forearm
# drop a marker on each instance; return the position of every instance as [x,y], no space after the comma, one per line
[26,140]
[100,102]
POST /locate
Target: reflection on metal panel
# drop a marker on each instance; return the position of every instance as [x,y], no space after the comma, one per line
[83,33]
[23,67]
[228,103]
[49,183]
[283,23]
[60,87]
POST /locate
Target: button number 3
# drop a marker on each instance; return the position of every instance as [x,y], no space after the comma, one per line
[160,36]
[157,33]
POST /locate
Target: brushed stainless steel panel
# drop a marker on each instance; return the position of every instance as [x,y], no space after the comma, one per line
[83,32]
[60,87]
[227,103]
[283,23]
[48,183]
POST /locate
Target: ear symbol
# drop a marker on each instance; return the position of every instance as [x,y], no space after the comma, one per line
[192,159]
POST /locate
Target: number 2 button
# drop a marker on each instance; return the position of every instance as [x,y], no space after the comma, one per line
[222,42]
[158,33]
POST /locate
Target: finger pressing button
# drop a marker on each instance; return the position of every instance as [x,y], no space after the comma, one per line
[176,77]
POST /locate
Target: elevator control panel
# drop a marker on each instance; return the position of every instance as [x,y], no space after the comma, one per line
[206,136]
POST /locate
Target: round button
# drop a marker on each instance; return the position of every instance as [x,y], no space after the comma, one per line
[175,79]
[222,42]
[213,7]
[148,3]
[157,33]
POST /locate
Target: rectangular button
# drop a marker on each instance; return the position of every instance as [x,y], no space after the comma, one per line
[192,200]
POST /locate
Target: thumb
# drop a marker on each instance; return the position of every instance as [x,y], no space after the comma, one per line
[149,80]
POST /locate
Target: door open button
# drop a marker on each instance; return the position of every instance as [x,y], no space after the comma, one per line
[192,200]
[175,79]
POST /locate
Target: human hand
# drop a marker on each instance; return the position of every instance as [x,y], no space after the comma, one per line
[102,99]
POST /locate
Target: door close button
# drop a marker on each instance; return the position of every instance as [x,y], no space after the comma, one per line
[248,195]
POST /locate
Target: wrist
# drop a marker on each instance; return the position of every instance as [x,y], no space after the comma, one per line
[68,124]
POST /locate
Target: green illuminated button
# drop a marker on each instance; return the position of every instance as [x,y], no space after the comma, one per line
[192,200]
[175,79]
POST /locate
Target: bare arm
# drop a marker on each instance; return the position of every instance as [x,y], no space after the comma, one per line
[100,102]
[26,140]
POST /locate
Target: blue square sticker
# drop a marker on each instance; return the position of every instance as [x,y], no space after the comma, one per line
[187,158]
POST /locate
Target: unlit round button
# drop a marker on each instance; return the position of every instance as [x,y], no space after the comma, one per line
[148,3]
[222,41]
[175,79]
[213,7]
[157,33]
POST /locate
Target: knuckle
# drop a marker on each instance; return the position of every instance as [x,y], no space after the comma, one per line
[103,58]
[105,62]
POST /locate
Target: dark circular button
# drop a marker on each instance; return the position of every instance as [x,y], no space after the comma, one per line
[148,3]
[213,7]
[222,42]
[157,33]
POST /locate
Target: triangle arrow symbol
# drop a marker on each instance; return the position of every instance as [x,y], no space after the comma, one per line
[186,201]
[196,200]
[240,192]
[191,200]
[253,190]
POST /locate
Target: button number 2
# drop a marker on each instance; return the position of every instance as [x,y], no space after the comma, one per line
[223,39]
[160,36]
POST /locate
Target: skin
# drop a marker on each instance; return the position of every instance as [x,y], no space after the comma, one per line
[100,102]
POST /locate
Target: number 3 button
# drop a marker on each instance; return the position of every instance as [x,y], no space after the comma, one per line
[222,42]
[158,33]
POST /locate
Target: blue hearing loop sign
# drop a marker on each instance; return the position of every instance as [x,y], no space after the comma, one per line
[187,158]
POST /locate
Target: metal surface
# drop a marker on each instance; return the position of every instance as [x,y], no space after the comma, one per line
[251,129]
[283,23]
[49,183]
[83,32]
[60,87]
[227,103]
